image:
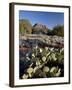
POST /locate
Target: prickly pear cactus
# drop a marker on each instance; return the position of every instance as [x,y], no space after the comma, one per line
[44,63]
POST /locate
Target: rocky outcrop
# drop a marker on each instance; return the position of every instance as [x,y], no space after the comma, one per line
[39,29]
[41,40]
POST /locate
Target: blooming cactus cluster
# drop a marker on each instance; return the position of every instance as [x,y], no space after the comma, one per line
[44,63]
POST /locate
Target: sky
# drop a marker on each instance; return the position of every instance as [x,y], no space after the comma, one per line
[50,19]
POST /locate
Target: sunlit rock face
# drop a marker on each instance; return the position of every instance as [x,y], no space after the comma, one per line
[39,29]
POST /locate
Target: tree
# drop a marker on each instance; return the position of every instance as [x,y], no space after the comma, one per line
[25,27]
[58,30]
[50,33]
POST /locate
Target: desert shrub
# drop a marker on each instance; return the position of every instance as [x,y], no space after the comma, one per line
[58,30]
[25,27]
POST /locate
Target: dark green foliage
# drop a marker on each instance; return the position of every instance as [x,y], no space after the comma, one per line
[25,27]
[58,30]
[50,32]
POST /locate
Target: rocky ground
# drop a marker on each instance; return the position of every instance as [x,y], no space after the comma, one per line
[41,56]
[34,39]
